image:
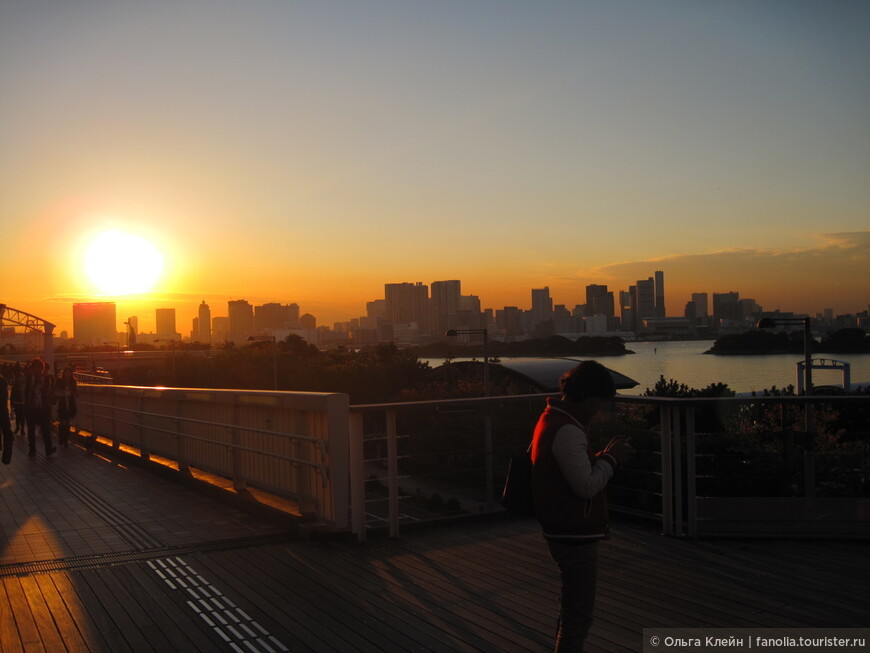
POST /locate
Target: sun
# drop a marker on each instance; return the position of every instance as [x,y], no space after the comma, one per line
[119,263]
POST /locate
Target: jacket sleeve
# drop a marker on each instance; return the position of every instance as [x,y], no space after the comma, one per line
[570,449]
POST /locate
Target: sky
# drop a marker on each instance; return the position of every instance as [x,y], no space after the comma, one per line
[310,152]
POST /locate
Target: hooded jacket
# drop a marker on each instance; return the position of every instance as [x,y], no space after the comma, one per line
[566,515]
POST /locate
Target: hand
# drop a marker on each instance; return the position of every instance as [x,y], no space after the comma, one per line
[620,448]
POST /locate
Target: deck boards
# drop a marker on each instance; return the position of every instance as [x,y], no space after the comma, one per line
[481,585]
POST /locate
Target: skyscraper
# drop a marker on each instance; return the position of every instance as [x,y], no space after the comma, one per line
[599,301]
[241,320]
[165,318]
[542,307]
[645,302]
[660,293]
[406,303]
[444,303]
[204,315]
[95,323]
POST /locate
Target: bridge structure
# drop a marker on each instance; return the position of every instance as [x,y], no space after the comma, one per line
[208,520]
[13,317]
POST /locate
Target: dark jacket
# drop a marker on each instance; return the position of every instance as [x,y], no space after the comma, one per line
[564,516]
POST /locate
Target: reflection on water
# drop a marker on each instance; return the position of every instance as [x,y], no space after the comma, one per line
[687,363]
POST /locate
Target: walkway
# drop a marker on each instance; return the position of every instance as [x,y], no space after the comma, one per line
[96,555]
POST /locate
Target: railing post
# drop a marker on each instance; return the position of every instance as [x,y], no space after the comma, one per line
[667,476]
[488,455]
[393,472]
[355,469]
[239,483]
[691,480]
[677,471]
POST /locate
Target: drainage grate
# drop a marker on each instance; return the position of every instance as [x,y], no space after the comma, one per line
[96,561]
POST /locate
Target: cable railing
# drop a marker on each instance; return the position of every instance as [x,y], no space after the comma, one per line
[703,467]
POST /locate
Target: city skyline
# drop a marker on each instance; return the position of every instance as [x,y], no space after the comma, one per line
[305,153]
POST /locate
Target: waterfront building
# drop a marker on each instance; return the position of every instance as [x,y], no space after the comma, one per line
[726,309]
[165,324]
[241,320]
[406,303]
[644,302]
[660,293]
[95,323]
[203,332]
[445,301]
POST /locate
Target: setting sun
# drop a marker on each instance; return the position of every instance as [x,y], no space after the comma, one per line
[120,263]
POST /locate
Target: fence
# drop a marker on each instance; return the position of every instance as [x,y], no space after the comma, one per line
[703,467]
[293,444]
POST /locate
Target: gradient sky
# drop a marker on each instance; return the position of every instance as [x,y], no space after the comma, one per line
[309,152]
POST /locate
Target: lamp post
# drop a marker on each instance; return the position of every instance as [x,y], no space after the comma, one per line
[476,332]
[770,322]
[809,452]
[274,342]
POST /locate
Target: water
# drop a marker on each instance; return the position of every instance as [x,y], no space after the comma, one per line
[685,361]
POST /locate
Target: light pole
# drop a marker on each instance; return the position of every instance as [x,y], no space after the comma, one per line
[274,342]
[476,332]
[770,322]
[809,448]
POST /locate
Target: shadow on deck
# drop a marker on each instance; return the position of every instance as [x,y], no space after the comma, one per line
[96,555]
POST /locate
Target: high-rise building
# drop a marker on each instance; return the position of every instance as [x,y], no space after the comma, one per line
[95,323]
[660,293]
[444,303]
[407,303]
[599,301]
[726,309]
[132,325]
[203,333]
[275,316]
[645,302]
[241,320]
[165,318]
[702,309]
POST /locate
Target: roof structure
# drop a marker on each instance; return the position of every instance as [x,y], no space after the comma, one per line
[546,372]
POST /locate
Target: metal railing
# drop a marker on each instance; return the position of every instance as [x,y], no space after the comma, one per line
[293,444]
[703,467]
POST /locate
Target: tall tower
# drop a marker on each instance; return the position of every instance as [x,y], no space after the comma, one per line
[406,303]
[660,293]
[645,302]
[241,320]
[445,302]
[204,315]
[166,323]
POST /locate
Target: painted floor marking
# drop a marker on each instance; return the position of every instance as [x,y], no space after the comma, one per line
[225,618]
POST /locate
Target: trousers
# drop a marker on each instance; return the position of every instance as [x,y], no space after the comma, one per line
[578,568]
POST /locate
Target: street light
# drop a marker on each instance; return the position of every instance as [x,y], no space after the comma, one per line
[274,342]
[476,332]
[770,322]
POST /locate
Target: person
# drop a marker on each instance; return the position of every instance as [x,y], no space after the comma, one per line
[34,395]
[46,405]
[5,423]
[17,398]
[65,391]
[569,489]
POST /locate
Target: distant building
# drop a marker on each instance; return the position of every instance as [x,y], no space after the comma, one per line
[241,320]
[644,302]
[660,293]
[273,316]
[444,303]
[406,303]
[165,319]
[95,323]
[203,332]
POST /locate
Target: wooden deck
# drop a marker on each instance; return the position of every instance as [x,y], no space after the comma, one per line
[96,555]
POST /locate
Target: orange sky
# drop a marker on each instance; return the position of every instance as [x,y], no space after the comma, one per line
[292,152]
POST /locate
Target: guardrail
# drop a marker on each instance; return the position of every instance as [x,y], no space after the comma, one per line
[703,467]
[293,444]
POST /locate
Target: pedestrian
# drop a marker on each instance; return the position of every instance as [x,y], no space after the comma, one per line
[66,389]
[569,487]
[34,396]
[46,409]
[5,424]
[17,397]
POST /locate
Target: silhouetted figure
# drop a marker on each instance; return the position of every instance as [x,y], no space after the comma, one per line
[46,406]
[569,489]
[17,397]
[65,391]
[34,397]
[5,424]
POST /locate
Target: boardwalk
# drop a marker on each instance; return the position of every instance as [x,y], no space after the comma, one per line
[99,555]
